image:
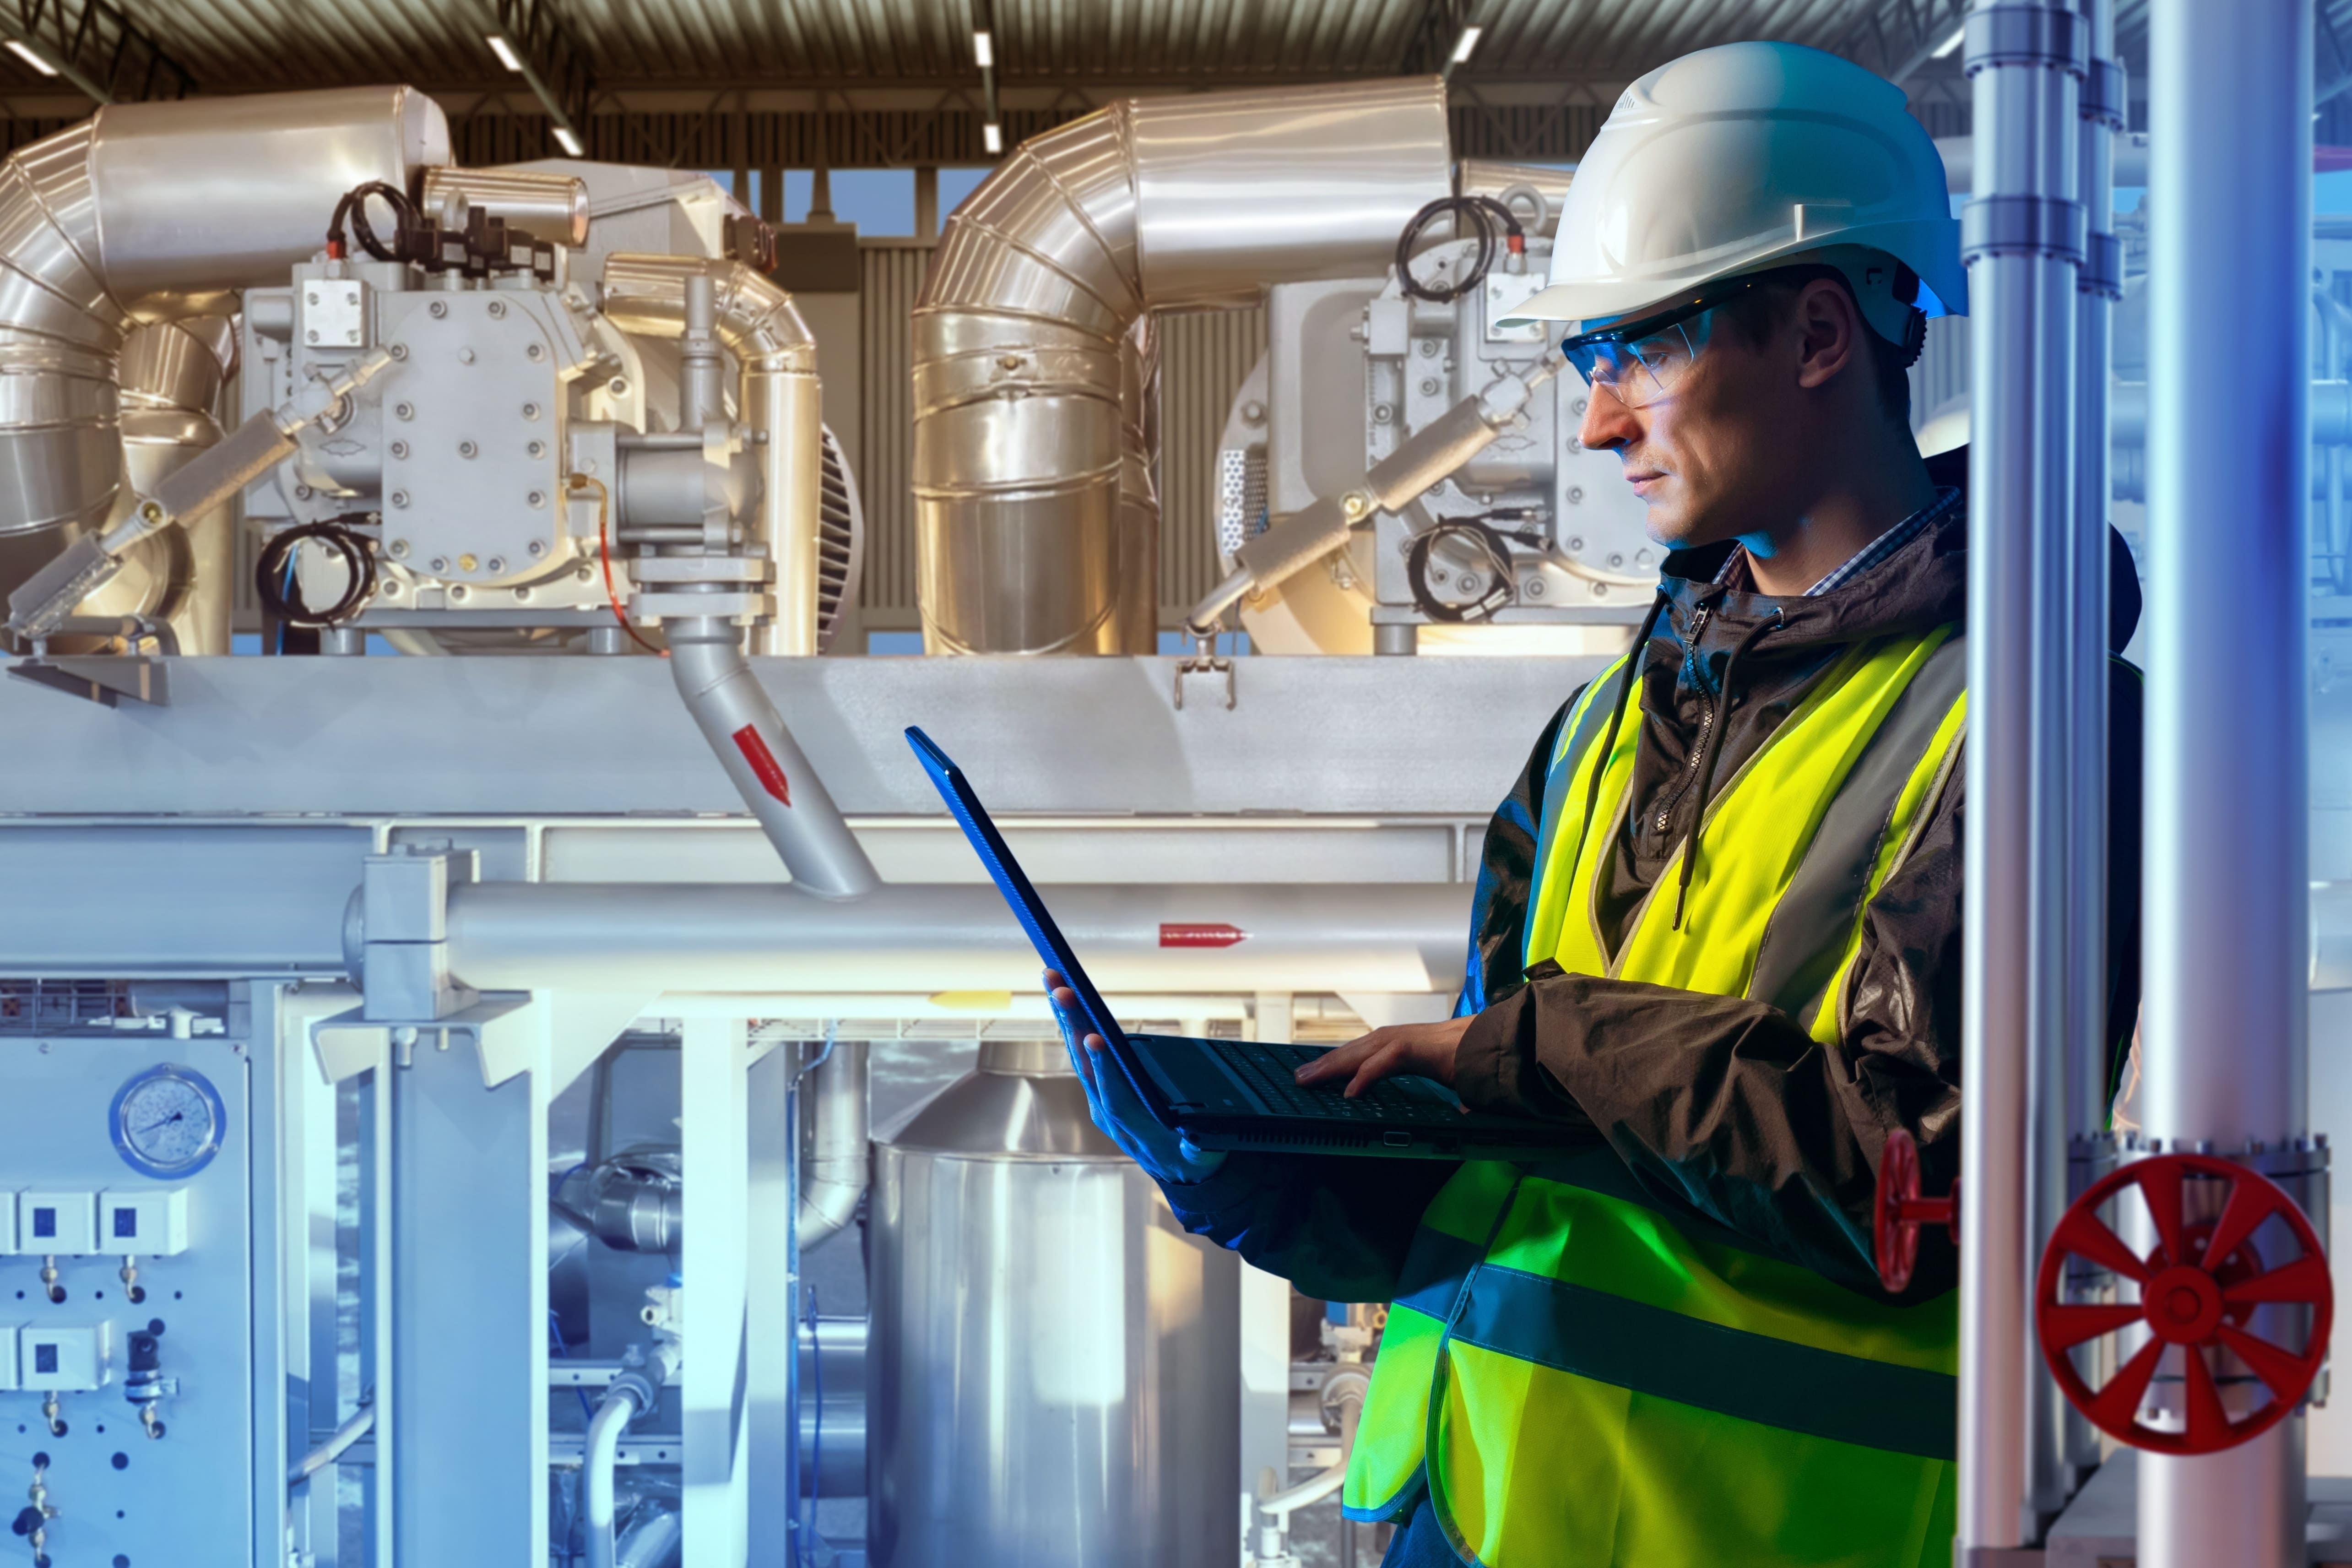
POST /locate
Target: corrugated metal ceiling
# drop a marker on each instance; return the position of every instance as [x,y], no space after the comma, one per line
[245,44]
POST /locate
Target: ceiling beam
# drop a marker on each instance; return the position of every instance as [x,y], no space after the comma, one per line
[98,49]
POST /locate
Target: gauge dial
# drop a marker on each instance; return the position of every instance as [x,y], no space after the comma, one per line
[168,1121]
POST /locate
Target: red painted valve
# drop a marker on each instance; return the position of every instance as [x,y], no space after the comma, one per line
[2199,1287]
[1900,1210]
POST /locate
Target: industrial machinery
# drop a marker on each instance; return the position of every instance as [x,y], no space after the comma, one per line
[455,1122]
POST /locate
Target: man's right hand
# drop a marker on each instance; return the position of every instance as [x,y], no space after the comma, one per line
[1117,1108]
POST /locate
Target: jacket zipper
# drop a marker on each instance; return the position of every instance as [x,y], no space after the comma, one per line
[1706,719]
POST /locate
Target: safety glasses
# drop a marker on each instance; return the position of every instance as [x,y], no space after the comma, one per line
[1642,361]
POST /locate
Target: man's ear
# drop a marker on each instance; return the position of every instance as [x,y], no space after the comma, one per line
[1829,331]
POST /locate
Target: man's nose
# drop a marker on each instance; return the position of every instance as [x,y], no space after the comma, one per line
[1608,422]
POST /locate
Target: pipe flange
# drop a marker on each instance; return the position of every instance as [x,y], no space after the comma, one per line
[703,569]
[720,606]
[2042,35]
[2022,225]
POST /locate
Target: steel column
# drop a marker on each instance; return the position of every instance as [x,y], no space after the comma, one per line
[714,1130]
[2022,236]
[2226,861]
[2084,1024]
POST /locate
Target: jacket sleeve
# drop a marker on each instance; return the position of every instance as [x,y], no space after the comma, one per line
[1730,1106]
[1339,1226]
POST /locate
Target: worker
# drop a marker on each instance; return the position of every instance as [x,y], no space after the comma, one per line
[1717,919]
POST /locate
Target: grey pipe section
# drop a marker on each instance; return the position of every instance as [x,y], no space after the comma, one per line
[1195,201]
[2023,240]
[2226,852]
[768,767]
[776,395]
[362,1422]
[836,1160]
[144,198]
[652,1540]
[692,937]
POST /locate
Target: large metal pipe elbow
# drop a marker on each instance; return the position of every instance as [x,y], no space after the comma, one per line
[778,395]
[1191,202]
[148,199]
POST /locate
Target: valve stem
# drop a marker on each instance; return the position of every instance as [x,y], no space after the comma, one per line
[54,1413]
[132,1288]
[49,1278]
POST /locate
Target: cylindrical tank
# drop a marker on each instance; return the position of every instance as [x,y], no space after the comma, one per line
[1054,1372]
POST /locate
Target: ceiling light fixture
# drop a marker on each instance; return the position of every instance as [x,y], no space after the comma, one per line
[569,140]
[506,53]
[1949,45]
[31,56]
[983,51]
[992,136]
[1469,42]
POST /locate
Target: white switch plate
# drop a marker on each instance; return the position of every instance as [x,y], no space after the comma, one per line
[69,1360]
[56,1225]
[7,1358]
[143,1223]
[7,1224]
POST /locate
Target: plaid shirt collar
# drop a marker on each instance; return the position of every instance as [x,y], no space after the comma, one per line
[1735,571]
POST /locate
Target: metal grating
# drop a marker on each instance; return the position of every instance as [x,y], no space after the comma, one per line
[1205,357]
[893,275]
[46,1006]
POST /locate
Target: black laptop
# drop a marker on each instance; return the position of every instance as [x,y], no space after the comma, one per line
[1238,1094]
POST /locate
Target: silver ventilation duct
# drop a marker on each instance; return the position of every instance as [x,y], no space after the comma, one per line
[150,198]
[1019,380]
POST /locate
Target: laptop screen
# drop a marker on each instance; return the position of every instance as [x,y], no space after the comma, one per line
[1052,948]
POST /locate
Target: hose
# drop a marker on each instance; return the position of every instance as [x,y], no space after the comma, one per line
[619,1407]
[1480,212]
[353,209]
[275,583]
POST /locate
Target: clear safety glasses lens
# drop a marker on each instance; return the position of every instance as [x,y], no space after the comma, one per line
[1642,371]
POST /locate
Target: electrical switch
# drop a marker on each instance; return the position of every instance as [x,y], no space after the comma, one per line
[65,1360]
[8,1248]
[7,1358]
[56,1225]
[153,1224]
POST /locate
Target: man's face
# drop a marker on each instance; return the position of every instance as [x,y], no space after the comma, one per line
[1721,455]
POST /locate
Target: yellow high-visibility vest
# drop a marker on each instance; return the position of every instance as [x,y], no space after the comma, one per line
[1575,1375]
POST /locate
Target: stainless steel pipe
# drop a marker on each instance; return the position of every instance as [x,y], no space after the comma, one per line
[2226,865]
[776,394]
[1185,202]
[835,1156]
[695,938]
[2022,237]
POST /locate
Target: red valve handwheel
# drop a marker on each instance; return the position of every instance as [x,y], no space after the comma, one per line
[2198,1287]
[1900,1210]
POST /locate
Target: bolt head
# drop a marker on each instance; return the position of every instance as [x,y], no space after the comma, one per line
[498,308]
[311,298]
[1575,494]
[498,563]
[467,448]
[538,449]
[399,549]
[464,563]
[400,498]
[313,335]
[459,592]
[618,386]
[531,410]
[538,499]
[439,307]
[404,411]
[465,356]
[399,448]
[536,351]
[539,547]
[437,565]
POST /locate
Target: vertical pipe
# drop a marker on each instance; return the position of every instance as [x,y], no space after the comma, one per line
[2084,1039]
[2022,239]
[2228,488]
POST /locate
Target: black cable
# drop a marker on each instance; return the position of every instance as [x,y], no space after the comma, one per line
[1479,213]
[352,208]
[1495,541]
[281,595]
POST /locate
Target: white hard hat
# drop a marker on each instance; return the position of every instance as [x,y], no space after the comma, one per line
[1745,157]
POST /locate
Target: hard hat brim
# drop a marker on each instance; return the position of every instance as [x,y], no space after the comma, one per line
[1582,307]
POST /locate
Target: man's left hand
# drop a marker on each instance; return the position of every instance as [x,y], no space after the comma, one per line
[1426,1049]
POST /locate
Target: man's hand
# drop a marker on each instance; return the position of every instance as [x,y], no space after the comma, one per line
[1426,1049]
[1166,1156]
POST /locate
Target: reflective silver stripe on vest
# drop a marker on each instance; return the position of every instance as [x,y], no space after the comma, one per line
[1808,929]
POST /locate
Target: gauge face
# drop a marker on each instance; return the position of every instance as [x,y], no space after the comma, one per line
[167,1122]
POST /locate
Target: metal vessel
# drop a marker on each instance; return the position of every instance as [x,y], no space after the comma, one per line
[1045,1371]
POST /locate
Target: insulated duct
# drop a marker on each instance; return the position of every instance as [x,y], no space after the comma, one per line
[1019,380]
[146,198]
[776,394]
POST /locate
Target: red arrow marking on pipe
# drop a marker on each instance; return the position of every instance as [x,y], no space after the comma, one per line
[1172,934]
[763,762]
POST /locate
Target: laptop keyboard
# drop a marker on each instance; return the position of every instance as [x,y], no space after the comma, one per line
[1268,1067]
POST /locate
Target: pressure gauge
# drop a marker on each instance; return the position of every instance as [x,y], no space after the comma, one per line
[167,1122]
